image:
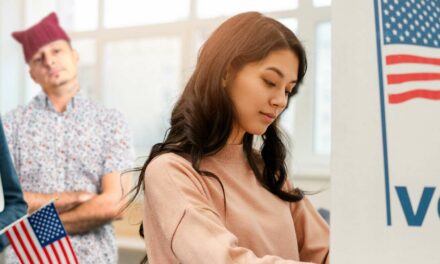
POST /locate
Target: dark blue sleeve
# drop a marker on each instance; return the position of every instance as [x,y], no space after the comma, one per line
[15,206]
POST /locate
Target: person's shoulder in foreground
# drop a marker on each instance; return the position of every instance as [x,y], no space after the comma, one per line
[14,204]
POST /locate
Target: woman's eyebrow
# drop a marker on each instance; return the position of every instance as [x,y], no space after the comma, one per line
[279,72]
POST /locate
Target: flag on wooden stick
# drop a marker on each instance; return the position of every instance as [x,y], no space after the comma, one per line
[41,238]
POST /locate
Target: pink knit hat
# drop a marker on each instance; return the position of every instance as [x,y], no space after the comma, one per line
[42,33]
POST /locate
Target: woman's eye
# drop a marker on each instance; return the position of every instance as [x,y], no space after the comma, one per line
[269,83]
[290,90]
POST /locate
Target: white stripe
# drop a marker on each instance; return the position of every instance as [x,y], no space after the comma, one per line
[408,86]
[60,252]
[27,244]
[411,50]
[18,246]
[36,242]
[68,251]
[411,68]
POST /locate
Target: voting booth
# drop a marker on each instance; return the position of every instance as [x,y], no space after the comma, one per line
[385,131]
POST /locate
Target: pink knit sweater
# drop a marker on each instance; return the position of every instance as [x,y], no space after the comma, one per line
[185,220]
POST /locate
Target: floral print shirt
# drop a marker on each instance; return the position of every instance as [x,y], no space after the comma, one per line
[70,151]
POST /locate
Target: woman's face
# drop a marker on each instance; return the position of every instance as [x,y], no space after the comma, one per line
[259,92]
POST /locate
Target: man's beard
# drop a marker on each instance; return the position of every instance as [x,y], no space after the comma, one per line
[70,88]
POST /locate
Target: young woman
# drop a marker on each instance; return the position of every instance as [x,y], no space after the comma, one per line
[211,194]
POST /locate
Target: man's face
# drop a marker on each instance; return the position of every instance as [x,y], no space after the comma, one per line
[54,67]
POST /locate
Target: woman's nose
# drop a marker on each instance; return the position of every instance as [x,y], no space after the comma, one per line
[279,99]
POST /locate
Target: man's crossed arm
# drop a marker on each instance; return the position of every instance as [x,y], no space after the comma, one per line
[81,212]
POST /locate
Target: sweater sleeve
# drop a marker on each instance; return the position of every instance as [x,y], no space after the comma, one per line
[180,217]
[312,232]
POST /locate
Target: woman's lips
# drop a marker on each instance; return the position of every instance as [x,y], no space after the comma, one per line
[269,117]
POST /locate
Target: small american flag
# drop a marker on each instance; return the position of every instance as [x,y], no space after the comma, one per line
[410,32]
[41,238]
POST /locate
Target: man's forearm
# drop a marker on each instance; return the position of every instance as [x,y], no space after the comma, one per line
[92,214]
[101,209]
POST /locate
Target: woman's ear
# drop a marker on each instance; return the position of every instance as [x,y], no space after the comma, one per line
[226,77]
[224,81]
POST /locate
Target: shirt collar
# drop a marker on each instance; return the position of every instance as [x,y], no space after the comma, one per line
[43,102]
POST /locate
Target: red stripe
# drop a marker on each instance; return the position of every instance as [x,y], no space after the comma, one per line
[71,249]
[22,243]
[14,246]
[55,252]
[403,58]
[411,77]
[47,255]
[64,251]
[30,241]
[419,93]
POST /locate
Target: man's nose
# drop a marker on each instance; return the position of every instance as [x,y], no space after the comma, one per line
[48,60]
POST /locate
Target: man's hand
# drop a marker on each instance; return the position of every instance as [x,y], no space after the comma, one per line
[69,200]
[66,200]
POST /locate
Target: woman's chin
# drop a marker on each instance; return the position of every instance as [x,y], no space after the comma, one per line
[257,131]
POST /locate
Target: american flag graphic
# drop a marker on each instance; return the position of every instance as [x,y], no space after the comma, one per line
[410,44]
[41,238]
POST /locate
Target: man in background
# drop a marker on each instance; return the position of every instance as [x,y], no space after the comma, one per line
[68,147]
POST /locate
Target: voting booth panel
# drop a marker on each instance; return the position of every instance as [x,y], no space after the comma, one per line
[386,131]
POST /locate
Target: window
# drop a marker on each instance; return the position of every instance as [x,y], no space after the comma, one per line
[78,15]
[322,90]
[135,55]
[319,3]
[210,9]
[87,68]
[142,79]
[124,13]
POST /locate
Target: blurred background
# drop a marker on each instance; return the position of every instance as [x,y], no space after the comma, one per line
[136,55]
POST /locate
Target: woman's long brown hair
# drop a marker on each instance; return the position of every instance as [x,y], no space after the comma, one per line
[201,120]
